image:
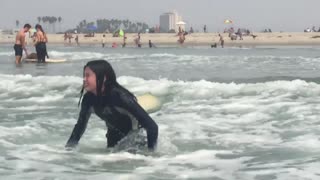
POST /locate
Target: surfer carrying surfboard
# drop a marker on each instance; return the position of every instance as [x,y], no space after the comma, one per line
[113,104]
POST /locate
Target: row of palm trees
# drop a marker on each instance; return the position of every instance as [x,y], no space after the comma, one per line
[17,23]
[103,25]
[49,22]
[111,25]
[115,24]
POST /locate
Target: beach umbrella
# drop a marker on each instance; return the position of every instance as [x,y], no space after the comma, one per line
[181,23]
[228,21]
[121,33]
[92,28]
[229,24]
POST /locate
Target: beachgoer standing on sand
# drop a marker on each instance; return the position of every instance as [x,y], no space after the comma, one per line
[138,41]
[77,40]
[182,37]
[103,41]
[221,40]
[124,41]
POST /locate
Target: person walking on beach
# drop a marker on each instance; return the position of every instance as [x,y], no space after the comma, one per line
[182,37]
[205,28]
[221,40]
[124,41]
[103,41]
[77,40]
[138,41]
[70,37]
[239,33]
[151,45]
[65,37]
[191,30]
[20,43]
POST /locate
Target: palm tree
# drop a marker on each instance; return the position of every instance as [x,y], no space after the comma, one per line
[80,27]
[54,21]
[59,20]
[48,20]
[44,20]
[100,25]
[90,24]
[126,24]
[138,26]
[134,27]
[17,23]
[39,20]
[145,26]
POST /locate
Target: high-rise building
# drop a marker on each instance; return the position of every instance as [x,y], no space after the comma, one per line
[168,21]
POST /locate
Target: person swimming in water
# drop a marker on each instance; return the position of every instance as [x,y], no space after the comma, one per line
[113,104]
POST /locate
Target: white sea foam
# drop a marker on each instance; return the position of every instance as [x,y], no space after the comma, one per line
[7,53]
[207,129]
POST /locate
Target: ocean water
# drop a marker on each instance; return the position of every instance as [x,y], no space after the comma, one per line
[233,113]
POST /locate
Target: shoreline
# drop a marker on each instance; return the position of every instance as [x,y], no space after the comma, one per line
[195,39]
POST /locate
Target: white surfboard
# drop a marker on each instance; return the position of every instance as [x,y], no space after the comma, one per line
[149,102]
[47,60]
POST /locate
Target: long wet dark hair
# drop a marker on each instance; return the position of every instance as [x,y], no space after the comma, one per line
[38,26]
[102,70]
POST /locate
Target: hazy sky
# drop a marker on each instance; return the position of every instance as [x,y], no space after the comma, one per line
[286,15]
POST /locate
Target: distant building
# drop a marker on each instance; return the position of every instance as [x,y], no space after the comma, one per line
[168,21]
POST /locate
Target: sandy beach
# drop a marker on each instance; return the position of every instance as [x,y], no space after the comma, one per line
[201,39]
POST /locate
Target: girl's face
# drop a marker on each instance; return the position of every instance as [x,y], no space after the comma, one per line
[89,81]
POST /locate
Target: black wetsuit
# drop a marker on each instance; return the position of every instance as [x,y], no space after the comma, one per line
[41,51]
[121,113]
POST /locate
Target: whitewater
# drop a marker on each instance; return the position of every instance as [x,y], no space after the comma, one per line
[233,113]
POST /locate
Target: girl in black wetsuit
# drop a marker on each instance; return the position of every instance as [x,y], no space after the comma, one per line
[113,104]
